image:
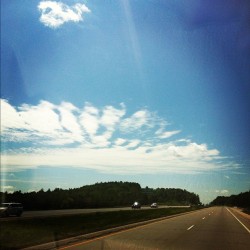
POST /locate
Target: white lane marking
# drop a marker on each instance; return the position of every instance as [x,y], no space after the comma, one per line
[190,227]
[204,218]
[238,220]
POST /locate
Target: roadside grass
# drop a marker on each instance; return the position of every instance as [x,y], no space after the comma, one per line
[17,234]
[246,210]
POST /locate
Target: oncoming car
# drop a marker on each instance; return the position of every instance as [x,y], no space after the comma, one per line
[11,208]
[136,205]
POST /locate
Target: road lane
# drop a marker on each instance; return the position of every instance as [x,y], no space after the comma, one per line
[243,217]
[238,220]
[212,228]
[47,213]
[219,231]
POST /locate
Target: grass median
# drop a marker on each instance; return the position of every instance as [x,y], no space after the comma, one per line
[16,234]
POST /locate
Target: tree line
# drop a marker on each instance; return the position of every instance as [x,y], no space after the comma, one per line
[107,194]
[240,200]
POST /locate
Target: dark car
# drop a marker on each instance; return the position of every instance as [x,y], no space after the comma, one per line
[154,205]
[11,208]
[136,205]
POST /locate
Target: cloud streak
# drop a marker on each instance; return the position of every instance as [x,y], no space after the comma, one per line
[55,14]
[104,139]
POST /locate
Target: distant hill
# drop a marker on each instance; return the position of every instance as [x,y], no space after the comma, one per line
[240,200]
[107,194]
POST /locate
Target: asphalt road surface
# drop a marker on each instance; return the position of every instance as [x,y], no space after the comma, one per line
[212,228]
[47,213]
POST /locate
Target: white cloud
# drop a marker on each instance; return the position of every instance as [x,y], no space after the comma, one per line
[89,119]
[9,189]
[69,120]
[54,14]
[133,144]
[10,117]
[167,134]
[120,141]
[136,121]
[109,159]
[224,191]
[111,116]
[194,151]
[104,139]
[38,117]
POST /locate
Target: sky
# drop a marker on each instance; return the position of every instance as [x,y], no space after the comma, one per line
[155,92]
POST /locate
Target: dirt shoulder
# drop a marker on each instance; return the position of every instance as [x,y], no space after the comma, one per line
[240,211]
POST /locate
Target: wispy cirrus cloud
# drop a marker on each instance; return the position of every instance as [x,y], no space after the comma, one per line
[54,14]
[166,134]
[106,139]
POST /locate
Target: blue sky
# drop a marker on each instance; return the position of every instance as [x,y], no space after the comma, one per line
[155,92]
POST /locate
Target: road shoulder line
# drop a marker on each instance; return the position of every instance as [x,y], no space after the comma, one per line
[238,220]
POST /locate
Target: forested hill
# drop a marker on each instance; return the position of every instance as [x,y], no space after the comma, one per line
[109,194]
[240,200]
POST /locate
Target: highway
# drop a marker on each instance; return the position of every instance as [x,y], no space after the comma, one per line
[47,213]
[211,228]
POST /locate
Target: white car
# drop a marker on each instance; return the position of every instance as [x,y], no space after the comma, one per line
[154,205]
